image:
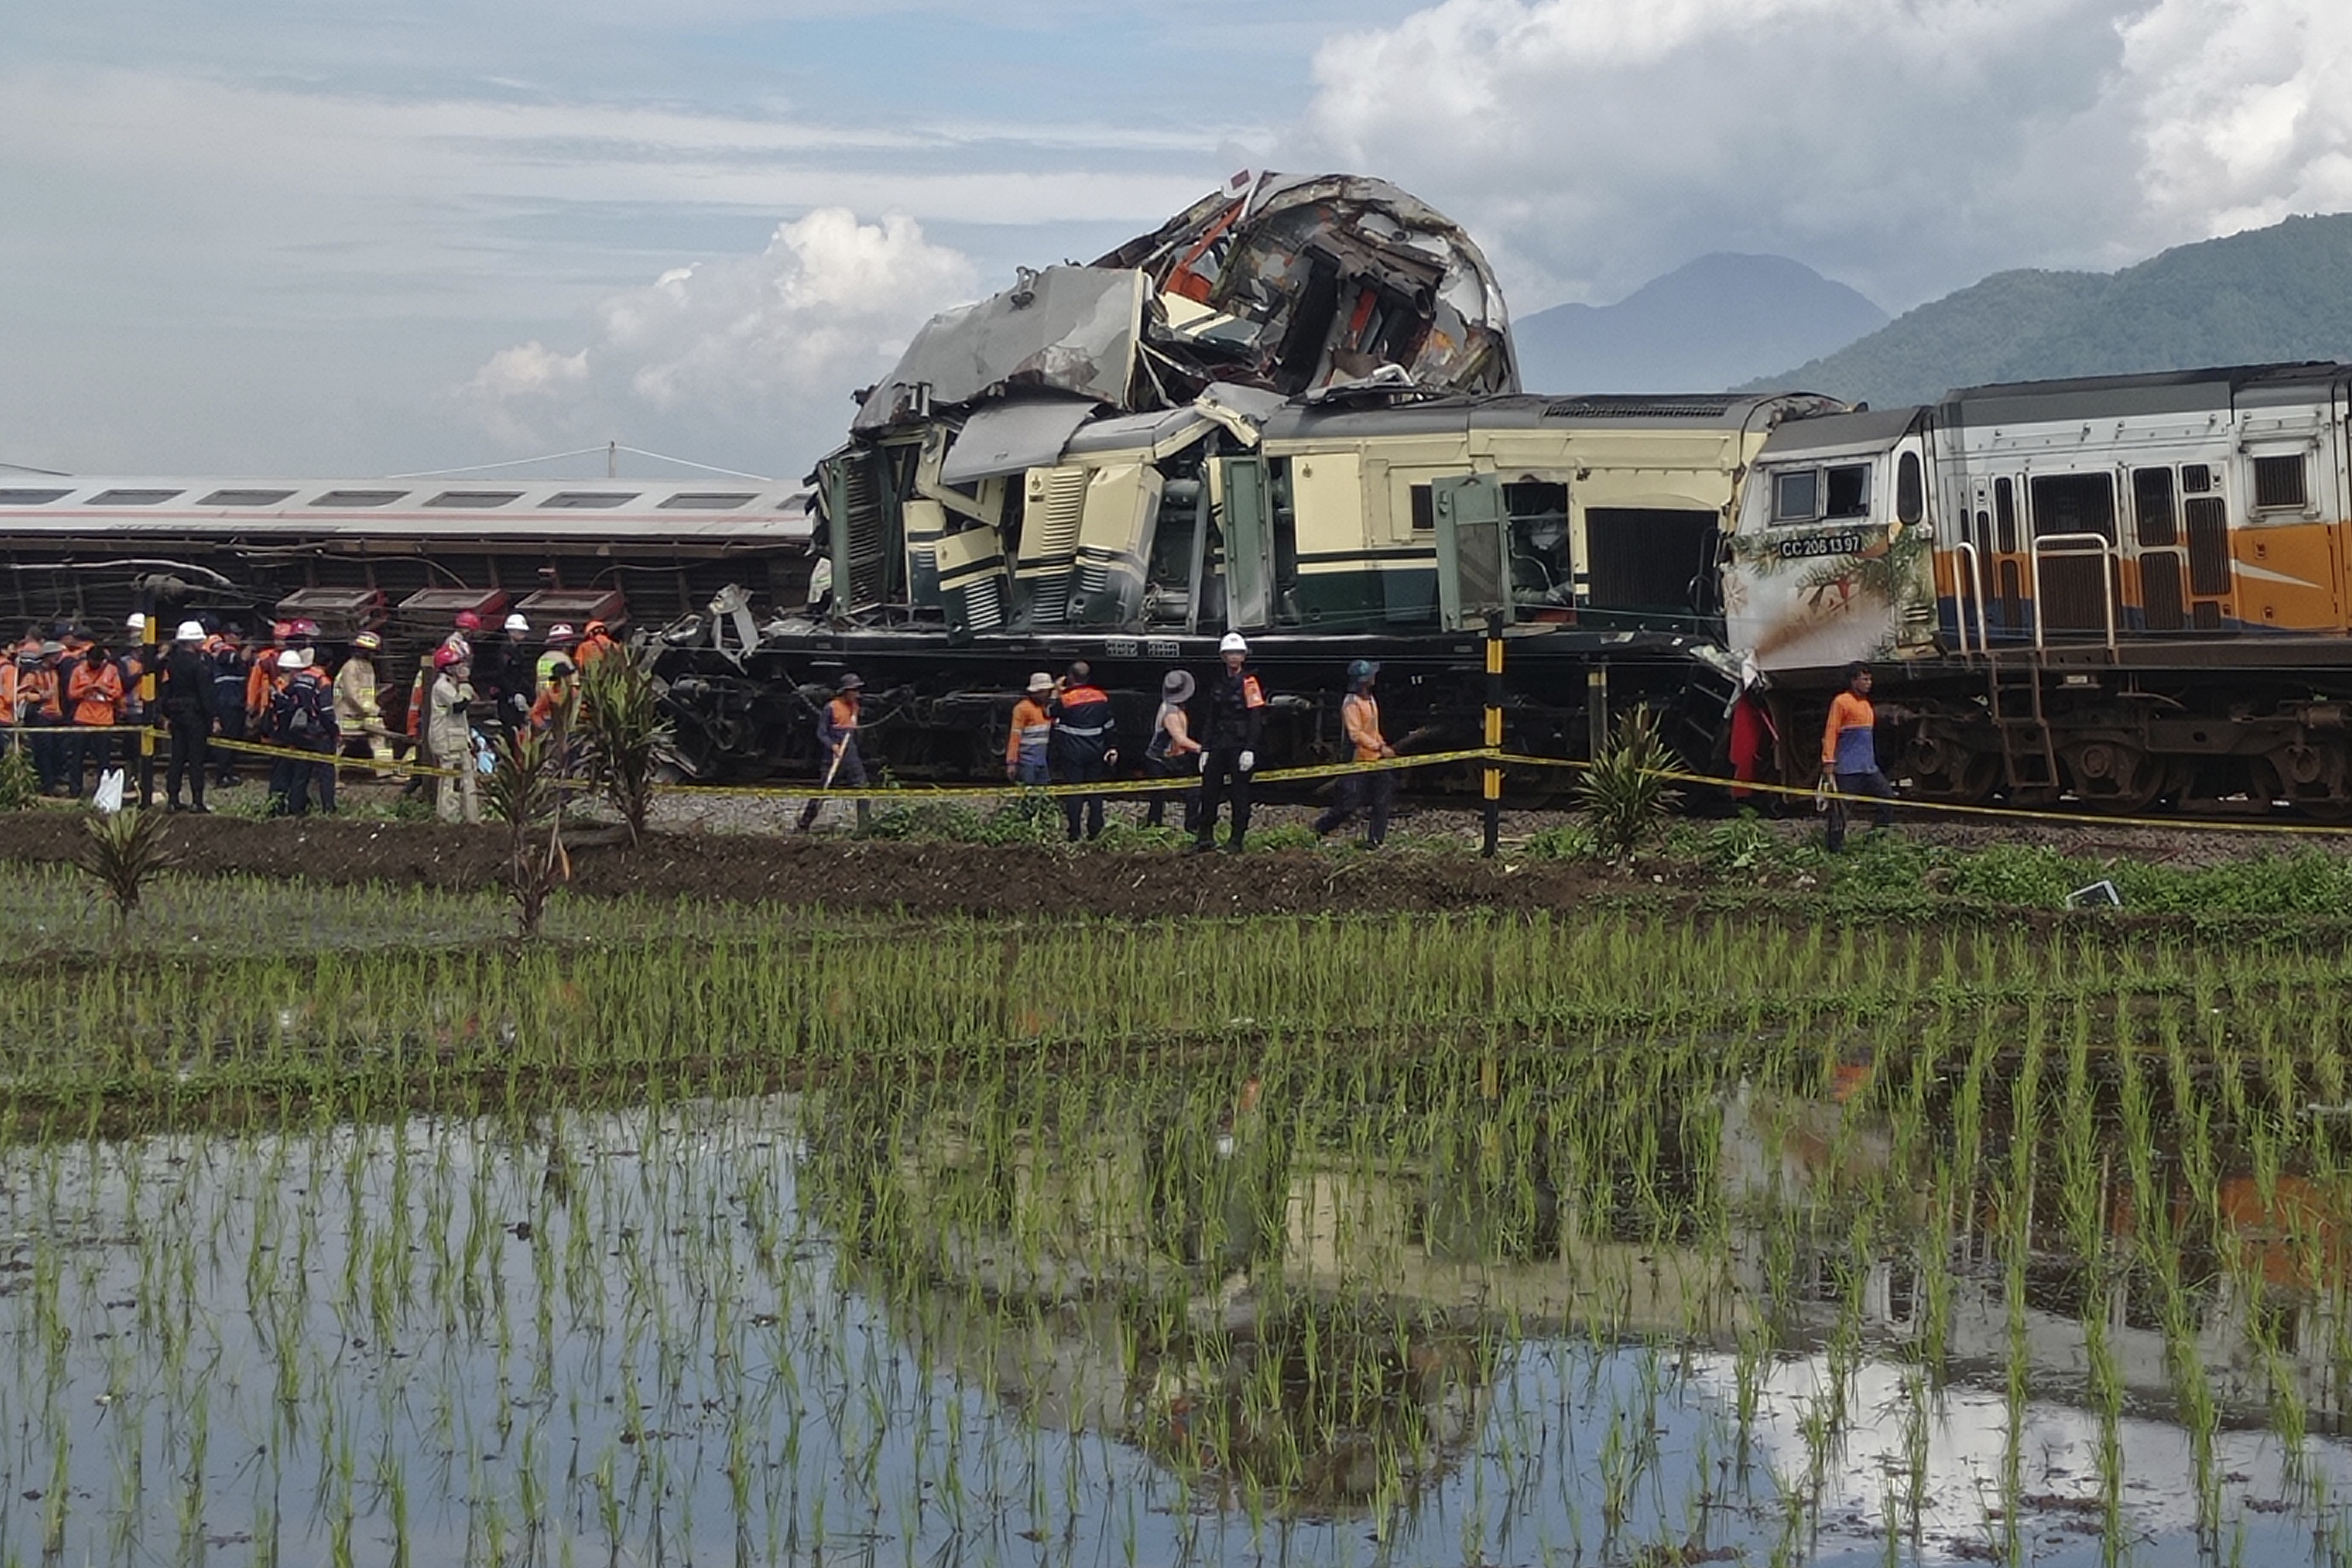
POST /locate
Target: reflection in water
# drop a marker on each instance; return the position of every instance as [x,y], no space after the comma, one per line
[1476,1309]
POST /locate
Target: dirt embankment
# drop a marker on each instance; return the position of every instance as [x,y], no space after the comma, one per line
[838,874]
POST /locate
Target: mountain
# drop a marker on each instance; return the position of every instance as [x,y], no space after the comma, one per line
[1719,319]
[2280,293]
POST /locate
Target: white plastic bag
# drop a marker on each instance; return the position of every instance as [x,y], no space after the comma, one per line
[109,797]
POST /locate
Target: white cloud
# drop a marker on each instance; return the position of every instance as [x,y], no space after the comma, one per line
[1907,148]
[740,345]
[2244,116]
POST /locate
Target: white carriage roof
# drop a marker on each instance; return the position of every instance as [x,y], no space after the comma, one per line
[750,512]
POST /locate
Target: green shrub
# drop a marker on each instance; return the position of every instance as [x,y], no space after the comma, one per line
[1624,794]
[20,783]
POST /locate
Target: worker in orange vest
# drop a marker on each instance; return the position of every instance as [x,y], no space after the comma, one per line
[1359,716]
[596,642]
[1033,731]
[94,687]
[1081,747]
[837,743]
[40,696]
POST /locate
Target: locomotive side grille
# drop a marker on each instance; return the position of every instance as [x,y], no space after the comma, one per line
[2159,591]
[2208,547]
[1057,510]
[984,605]
[869,572]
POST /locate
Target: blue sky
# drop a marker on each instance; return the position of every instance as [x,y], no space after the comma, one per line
[330,237]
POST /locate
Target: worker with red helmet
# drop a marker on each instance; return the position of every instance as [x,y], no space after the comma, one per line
[448,730]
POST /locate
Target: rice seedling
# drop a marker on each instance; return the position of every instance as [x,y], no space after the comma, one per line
[1475,1234]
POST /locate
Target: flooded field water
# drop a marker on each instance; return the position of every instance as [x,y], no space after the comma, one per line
[2023,1292]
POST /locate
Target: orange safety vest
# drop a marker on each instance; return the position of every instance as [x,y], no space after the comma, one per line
[592,649]
[39,687]
[262,681]
[8,692]
[1359,715]
[1031,728]
[96,692]
[544,706]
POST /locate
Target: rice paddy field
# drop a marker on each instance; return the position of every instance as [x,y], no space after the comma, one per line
[337,1228]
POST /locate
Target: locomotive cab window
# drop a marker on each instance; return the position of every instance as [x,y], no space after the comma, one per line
[1796,497]
[1848,487]
[2279,484]
[1821,495]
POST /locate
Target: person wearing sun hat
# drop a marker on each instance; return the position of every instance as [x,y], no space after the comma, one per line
[1171,752]
[191,711]
[1026,748]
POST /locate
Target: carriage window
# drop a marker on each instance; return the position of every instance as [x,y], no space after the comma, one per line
[1910,490]
[2278,484]
[2004,501]
[2196,479]
[1796,497]
[1425,511]
[2152,507]
[1849,491]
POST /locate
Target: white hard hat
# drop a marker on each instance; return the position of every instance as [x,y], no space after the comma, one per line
[517,624]
[190,631]
[294,659]
[1041,682]
[138,622]
[1233,643]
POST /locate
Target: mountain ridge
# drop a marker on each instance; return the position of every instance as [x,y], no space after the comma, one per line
[2281,293]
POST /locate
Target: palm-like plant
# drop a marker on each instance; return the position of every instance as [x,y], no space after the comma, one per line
[1625,794]
[127,849]
[525,790]
[622,719]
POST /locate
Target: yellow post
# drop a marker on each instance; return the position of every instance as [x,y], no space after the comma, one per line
[149,719]
[1492,780]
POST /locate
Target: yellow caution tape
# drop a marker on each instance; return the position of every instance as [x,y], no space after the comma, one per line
[1958,809]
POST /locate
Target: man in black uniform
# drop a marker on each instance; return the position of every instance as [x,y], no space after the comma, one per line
[188,702]
[503,679]
[1236,720]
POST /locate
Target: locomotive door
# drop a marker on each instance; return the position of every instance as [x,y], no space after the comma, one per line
[1474,550]
[2157,550]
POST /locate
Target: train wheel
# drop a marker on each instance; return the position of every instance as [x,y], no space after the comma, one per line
[2113,776]
[1943,770]
[2314,777]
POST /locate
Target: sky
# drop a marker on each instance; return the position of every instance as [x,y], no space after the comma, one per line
[320,237]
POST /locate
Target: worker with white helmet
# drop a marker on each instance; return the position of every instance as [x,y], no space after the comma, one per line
[559,638]
[502,675]
[1236,724]
[302,720]
[191,709]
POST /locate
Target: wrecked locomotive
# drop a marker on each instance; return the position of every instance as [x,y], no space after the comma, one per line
[1292,413]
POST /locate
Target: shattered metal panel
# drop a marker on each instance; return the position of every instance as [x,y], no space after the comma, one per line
[1011,438]
[1300,283]
[1069,329]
